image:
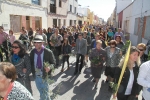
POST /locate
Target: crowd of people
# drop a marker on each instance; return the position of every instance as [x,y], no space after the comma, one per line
[102,45]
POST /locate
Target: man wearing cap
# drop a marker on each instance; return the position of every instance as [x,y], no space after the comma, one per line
[39,55]
[80,50]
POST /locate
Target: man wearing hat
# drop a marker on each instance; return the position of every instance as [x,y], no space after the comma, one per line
[39,55]
[81,50]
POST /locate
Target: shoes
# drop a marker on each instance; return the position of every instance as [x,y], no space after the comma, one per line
[68,68]
[93,80]
[62,70]
[75,73]
[107,81]
[95,86]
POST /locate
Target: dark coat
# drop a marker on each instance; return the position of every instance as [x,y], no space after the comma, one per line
[135,88]
[144,58]
[66,49]
[48,57]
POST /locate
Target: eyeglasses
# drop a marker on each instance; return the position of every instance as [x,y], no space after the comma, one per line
[15,47]
[37,42]
[141,49]
[112,44]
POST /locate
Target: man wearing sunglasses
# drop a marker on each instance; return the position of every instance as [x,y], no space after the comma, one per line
[81,50]
[40,55]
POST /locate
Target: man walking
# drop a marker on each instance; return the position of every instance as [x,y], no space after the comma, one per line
[39,55]
[3,43]
[80,49]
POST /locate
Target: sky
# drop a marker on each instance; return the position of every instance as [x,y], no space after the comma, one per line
[102,8]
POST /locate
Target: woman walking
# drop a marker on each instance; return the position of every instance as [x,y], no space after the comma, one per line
[97,58]
[66,49]
[112,60]
[119,41]
[129,88]
[21,60]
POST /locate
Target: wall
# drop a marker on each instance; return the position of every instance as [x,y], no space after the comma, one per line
[121,4]
[120,15]
[133,12]
[91,17]
[10,8]
[72,15]
[63,9]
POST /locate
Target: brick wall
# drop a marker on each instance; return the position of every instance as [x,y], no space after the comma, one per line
[23,21]
[33,23]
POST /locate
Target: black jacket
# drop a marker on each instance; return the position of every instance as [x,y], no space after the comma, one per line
[144,58]
[66,49]
[135,88]
[48,57]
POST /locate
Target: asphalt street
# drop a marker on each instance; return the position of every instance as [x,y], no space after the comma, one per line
[76,87]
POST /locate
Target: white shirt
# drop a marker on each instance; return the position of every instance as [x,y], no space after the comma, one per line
[144,79]
[12,38]
[130,83]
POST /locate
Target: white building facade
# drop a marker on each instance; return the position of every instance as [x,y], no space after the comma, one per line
[136,21]
[23,13]
[57,13]
[120,5]
[72,13]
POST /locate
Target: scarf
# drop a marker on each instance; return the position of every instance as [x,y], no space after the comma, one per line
[39,61]
[15,58]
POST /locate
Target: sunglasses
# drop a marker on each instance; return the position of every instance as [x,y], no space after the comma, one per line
[141,49]
[15,47]
[37,42]
[112,44]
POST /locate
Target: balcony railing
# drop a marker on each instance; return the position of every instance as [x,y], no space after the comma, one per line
[52,9]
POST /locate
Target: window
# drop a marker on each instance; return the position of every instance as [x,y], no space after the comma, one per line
[37,2]
[70,23]
[70,8]
[75,10]
[64,22]
[59,3]
[53,2]
[147,28]
[15,23]
[53,6]
[55,22]
[27,17]
[136,26]
[74,22]
[59,23]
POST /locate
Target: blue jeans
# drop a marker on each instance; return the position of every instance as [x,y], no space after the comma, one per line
[43,88]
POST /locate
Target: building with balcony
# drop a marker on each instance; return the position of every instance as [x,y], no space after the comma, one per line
[15,14]
[57,13]
[72,13]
